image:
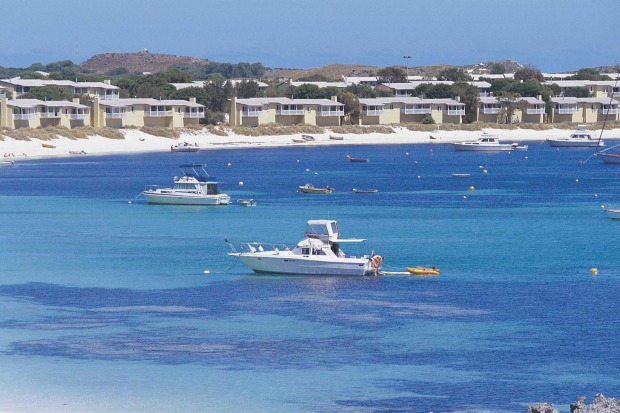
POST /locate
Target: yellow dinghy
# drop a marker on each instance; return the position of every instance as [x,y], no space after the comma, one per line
[423,271]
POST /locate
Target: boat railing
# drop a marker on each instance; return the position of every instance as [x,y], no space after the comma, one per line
[152,187]
[241,247]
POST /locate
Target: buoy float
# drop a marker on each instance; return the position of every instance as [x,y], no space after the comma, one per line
[594,271]
[407,153]
[471,188]
[464,196]
[307,170]
[206,272]
[229,164]
[240,183]
[129,202]
[484,171]
[348,156]
[419,177]
[577,180]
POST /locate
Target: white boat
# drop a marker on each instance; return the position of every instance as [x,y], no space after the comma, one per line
[610,157]
[299,140]
[185,147]
[613,213]
[318,253]
[7,163]
[365,191]
[487,142]
[336,138]
[311,189]
[580,138]
[194,187]
[308,138]
[246,202]
[77,152]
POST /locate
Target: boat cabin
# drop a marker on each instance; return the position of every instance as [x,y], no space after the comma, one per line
[195,179]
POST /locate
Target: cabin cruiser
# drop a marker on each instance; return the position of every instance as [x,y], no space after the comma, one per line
[311,189]
[487,142]
[580,138]
[194,187]
[185,147]
[318,253]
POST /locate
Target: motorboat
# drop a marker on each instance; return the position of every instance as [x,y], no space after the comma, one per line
[318,253]
[7,163]
[613,213]
[352,159]
[365,191]
[246,202]
[311,189]
[457,175]
[610,157]
[308,138]
[580,138]
[185,147]
[194,187]
[487,142]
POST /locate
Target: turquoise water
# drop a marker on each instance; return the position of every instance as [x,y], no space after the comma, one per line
[106,307]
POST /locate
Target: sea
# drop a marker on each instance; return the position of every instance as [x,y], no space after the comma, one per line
[109,304]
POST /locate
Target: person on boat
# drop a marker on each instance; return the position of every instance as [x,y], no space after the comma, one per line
[376,261]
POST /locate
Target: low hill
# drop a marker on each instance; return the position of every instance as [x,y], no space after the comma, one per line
[136,62]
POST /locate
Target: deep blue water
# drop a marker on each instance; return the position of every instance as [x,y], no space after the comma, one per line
[105,306]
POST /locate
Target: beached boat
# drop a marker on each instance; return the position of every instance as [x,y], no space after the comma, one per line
[47,145]
[185,147]
[352,159]
[77,153]
[299,140]
[194,187]
[246,202]
[318,253]
[336,138]
[311,189]
[580,138]
[308,138]
[487,142]
[365,191]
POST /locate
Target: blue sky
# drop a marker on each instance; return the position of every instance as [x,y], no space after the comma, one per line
[552,35]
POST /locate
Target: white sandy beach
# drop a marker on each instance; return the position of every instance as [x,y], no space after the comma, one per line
[138,142]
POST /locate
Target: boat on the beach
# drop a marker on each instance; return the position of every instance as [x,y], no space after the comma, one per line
[185,147]
[336,138]
[365,191]
[246,202]
[308,138]
[311,189]
[318,253]
[299,140]
[580,138]
[77,152]
[47,145]
[352,159]
[194,187]
[487,142]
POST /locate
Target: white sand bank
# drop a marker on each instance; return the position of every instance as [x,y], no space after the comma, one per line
[137,142]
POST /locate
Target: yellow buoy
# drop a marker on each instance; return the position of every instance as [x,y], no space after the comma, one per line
[593,271]
[471,188]
[484,171]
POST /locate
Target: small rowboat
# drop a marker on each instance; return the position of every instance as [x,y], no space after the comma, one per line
[47,145]
[423,271]
[77,153]
[349,157]
[307,138]
[336,138]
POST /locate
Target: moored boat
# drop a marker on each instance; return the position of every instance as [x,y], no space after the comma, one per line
[7,163]
[185,147]
[352,159]
[311,189]
[318,253]
[613,213]
[580,138]
[246,202]
[194,187]
[487,142]
[365,191]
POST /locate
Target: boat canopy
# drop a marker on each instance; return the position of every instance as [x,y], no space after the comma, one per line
[326,231]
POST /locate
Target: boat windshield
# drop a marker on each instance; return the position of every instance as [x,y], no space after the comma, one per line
[213,189]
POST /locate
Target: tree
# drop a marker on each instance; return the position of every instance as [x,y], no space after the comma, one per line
[247,89]
[577,92]
[48,93]
[440,91]
[510,103]
[588,74]
[454,74]
[361,91]
[470,96]
[307,91]
[529,72]
[191,92]
[351,105]
[497,69]
[392,74]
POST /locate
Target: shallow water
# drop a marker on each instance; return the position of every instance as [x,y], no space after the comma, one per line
[106,307]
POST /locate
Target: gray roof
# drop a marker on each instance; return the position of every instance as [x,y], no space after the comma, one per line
[408,100]
[147,101]
[48,82]
[33,103]
[288,101]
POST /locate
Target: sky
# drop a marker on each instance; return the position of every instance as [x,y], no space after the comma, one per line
[551,35]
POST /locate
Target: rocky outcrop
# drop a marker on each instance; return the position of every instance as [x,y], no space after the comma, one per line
[600,405]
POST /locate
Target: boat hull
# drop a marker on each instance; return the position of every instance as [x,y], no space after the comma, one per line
[610,158]
[613,213]
[176,199]
[306,190]
[282,263]
[574,143]
[463,147]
